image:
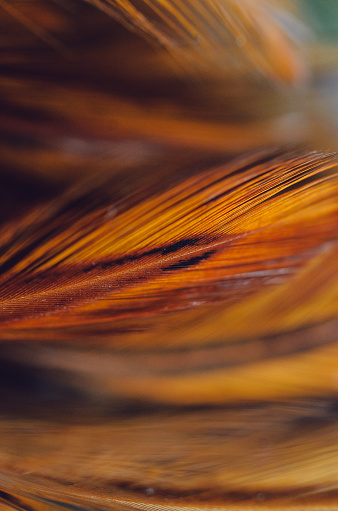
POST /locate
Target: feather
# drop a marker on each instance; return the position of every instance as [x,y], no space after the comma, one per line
[173,249]
[217,33]
[168,257]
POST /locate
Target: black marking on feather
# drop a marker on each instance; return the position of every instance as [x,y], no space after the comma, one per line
[178,245]
[170,249]
[187,263]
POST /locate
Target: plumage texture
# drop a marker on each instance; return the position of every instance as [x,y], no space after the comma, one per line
[170,244]
[168,257]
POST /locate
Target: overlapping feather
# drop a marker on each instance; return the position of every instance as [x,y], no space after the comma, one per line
[219,34]
[217,236]
[168,320]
